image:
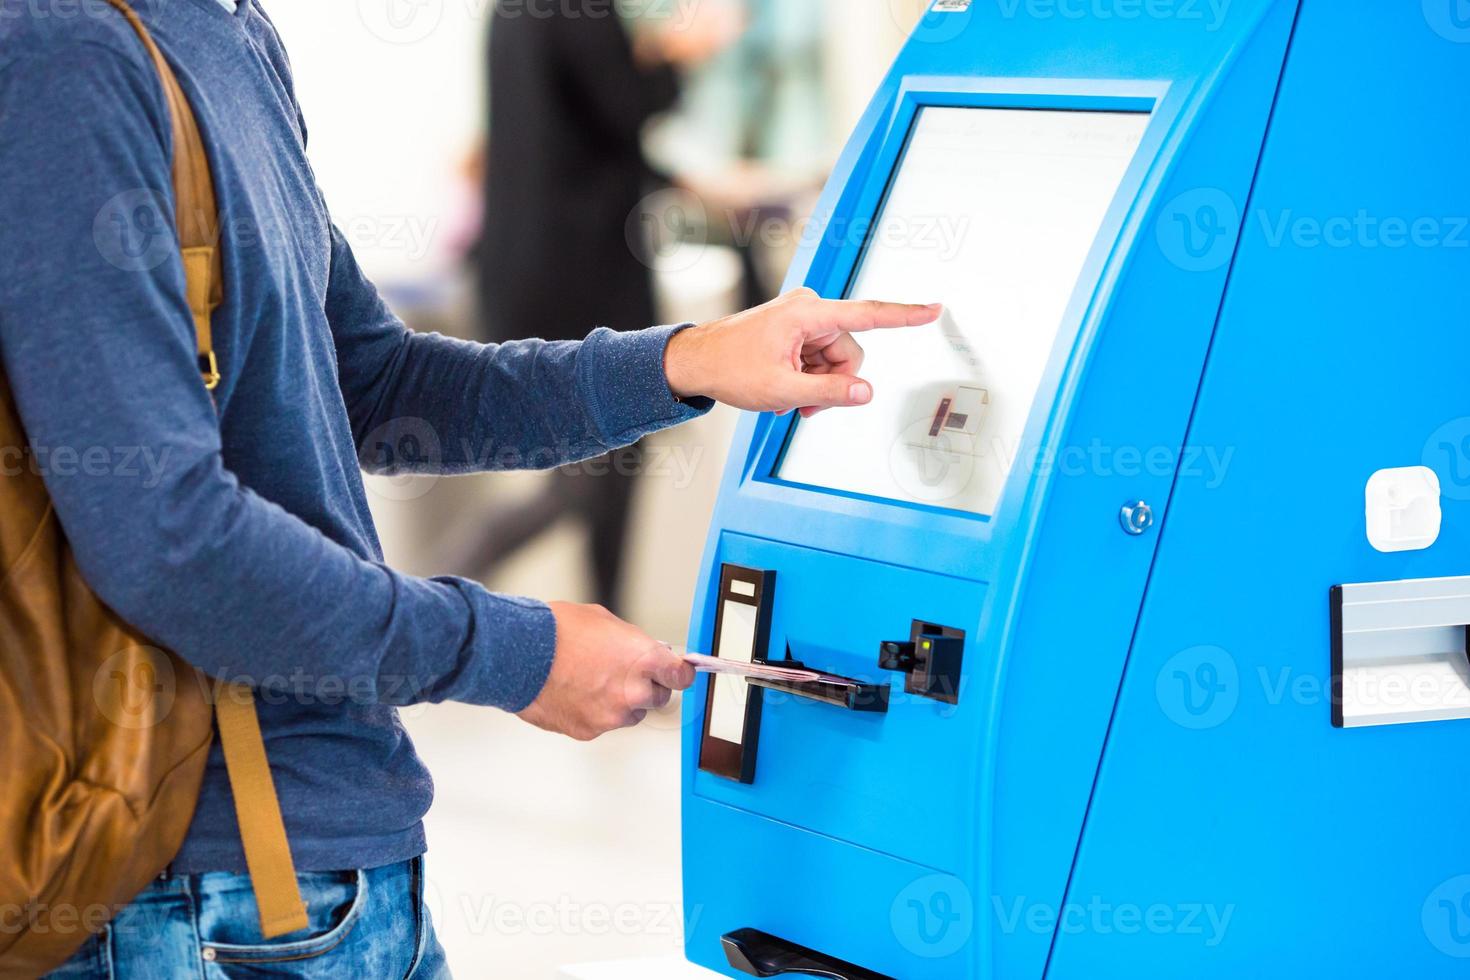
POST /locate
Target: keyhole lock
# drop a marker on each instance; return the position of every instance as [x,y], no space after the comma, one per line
[1136,517]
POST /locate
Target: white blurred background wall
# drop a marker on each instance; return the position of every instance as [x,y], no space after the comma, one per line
[543,852]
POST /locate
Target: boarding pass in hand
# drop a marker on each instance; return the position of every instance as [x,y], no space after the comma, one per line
[769,672]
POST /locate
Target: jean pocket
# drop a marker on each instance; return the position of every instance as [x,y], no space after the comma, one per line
[334,904]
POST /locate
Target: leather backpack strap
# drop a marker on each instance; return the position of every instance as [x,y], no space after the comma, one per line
[196,215]
[258,809]
[267,852]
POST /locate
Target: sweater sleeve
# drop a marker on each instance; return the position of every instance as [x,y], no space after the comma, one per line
[527,404]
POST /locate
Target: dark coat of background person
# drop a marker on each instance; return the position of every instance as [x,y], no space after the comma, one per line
[564,172]
[565,169]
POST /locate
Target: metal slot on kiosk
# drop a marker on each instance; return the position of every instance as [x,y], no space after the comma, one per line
[843,692]
[1399,653]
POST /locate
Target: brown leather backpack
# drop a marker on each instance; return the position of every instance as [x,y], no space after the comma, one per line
[104,737]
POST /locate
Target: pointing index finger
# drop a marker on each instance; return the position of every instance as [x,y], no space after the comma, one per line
[854,315]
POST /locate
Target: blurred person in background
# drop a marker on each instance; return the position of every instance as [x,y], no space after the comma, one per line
[571,89]
[752,139]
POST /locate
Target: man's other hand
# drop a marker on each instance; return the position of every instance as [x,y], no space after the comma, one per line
[606,674]
[794,353]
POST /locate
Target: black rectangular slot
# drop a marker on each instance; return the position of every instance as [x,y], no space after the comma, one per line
[928,680]
[930,660]
[732,706]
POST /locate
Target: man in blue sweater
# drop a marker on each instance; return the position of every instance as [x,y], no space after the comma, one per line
[245,543]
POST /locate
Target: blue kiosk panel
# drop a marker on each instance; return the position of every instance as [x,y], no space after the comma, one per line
[1121,449]
[1226,793]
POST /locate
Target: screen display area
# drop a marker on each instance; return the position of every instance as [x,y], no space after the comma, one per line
[991,212]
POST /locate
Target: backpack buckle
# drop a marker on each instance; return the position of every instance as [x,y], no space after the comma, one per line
[209,369]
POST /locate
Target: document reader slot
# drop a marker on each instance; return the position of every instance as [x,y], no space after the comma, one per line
[931,657]
[1399,651]
[844,692]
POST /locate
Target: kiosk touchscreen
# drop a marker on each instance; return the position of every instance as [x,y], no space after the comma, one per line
[1132,610]
[994,210]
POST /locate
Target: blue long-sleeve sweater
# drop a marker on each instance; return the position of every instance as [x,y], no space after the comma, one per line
[236,531]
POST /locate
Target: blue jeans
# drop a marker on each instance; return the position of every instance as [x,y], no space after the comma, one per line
[363,924]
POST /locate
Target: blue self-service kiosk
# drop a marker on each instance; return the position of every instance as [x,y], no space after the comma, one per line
[1136,588]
